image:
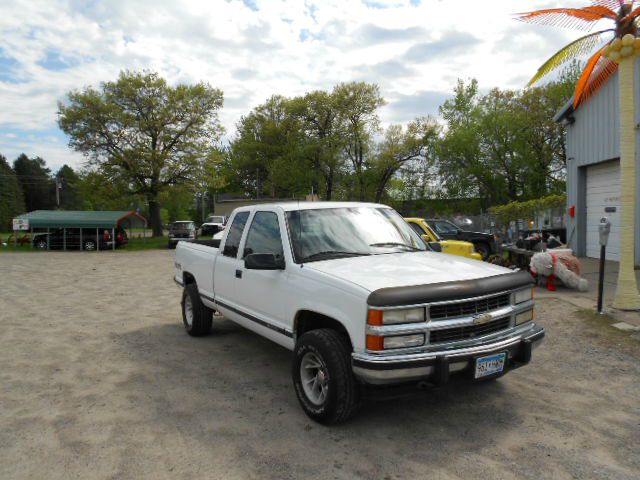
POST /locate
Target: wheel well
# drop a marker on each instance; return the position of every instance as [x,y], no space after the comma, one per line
[188,278]
[307,320]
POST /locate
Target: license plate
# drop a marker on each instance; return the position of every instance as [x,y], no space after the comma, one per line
[490,365]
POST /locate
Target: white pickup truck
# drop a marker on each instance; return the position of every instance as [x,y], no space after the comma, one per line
[359,298]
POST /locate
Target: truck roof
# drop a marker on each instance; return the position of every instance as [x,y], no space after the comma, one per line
[304,205]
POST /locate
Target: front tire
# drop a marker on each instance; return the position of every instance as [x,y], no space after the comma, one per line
[41,244]
[322,377]
[196,316]
[484,250]
[89,245]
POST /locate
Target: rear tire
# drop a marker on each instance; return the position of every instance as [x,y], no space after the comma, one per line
[89,245]
[322,377]
[196,316]
[41,244]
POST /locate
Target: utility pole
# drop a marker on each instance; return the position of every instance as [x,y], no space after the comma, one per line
[58,187]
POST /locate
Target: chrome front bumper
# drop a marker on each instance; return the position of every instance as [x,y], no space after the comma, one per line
[436,366]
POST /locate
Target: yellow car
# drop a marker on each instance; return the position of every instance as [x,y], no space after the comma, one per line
[454,247]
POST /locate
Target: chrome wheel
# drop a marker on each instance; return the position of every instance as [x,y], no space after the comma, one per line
[314,378]
[90,246]
[188,310]
[42,245]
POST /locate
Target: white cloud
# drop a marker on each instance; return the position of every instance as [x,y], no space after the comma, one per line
[253,51]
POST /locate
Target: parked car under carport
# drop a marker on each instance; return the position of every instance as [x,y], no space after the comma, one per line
[80,230]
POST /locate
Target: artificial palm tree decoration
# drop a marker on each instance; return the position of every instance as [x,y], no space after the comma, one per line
[617,49]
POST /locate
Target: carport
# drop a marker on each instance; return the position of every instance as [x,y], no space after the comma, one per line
[40,221]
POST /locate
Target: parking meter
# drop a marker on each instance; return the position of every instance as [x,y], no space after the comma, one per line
[603,229]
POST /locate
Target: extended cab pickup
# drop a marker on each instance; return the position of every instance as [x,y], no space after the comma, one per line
[359,298]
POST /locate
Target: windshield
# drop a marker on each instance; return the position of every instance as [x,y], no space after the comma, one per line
[322,234]
[181,225]
[214,220]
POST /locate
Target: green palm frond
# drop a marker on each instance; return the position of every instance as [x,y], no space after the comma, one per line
[575,49]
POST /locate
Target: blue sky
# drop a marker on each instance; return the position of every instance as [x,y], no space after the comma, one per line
[251,49]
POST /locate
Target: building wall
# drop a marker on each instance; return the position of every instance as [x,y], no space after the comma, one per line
[594,138]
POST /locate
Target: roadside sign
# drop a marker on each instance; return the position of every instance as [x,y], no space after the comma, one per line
[20,224]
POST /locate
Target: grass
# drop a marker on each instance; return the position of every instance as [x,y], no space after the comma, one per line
[148,243]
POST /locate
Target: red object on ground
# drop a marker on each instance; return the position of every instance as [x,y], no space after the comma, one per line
[550,286]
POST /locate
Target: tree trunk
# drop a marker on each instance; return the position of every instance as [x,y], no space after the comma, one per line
[329,185]
[154,218]
[627,297]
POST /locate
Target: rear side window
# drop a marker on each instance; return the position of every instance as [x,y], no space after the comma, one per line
[235,234]
[264,235]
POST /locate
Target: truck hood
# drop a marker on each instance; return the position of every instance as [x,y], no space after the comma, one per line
[405,269]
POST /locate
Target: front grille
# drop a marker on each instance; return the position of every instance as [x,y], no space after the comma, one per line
[462,309]
[468,331]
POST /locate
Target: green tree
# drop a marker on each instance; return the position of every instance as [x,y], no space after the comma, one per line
[400,146]
[11,198]
[35,181]
[319,119]
[266,156]
[140,132]
[504,145]
[358,103]
[69,192]
[99,192]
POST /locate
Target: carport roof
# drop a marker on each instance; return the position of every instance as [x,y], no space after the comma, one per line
[82,218]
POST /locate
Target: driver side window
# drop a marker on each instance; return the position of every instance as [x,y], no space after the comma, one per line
[417,228]
[264,235]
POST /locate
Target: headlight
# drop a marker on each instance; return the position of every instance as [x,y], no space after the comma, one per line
[524,317]
[403,341]
[523,295]
[411,315]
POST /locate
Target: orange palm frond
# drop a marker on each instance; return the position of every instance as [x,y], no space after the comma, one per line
[606,12]
[631,15]
[586,74]
[595,75]
[577,48]
[580,18]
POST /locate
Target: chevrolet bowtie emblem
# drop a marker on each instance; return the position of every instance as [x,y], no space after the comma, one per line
[482,319]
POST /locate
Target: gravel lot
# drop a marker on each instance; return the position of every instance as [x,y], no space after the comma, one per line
[99,380]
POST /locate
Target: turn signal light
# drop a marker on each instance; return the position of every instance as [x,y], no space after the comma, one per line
[374,342]
[374,317]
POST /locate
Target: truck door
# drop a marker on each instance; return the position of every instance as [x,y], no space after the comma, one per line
[262,293]
[228,265]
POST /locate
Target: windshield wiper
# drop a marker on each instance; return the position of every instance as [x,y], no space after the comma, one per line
[332,254]
[395,244]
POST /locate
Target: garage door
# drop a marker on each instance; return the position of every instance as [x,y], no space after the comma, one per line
[603,192]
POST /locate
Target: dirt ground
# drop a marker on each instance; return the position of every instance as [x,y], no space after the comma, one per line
[99,380]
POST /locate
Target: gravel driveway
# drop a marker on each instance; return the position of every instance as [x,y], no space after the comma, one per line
[99,380]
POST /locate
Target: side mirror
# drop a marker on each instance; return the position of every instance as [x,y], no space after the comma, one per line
[263,261]
[435,246]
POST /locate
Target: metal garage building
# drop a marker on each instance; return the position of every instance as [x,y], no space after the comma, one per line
[78,222]
[593,170]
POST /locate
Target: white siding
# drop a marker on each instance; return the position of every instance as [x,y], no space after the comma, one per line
[603,190]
